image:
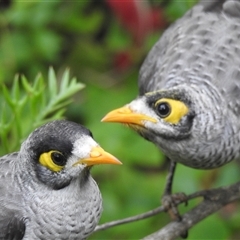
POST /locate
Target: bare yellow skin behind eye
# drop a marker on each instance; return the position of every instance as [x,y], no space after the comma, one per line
[178,110]
[46,160]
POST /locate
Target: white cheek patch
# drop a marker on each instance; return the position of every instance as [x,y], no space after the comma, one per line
[83,146]
[140,106]
[137,106]
[81,149]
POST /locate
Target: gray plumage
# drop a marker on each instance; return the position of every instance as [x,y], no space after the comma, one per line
[199,57]
[37,203]
[202,46]
[197,62]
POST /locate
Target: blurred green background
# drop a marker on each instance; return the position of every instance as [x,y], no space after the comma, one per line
[104,44]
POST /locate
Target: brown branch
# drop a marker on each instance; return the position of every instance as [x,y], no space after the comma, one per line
[129,219]
[214,199]
[148,214]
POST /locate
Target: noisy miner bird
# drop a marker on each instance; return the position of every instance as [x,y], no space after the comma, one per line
[46,188]
[189,89]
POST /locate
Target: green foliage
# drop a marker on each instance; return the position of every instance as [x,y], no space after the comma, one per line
[28,105]
[177,8]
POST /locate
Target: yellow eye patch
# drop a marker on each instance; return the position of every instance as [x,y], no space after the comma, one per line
[171,110]
[53,160]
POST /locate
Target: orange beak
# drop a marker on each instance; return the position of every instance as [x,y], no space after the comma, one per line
[98,156]
[126,115]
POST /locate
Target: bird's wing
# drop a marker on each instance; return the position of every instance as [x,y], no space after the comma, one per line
[203,44]
[12,227]
[12,222]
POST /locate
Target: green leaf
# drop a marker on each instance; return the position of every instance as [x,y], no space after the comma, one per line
[7,96]
[16,88]
[52,82]
[65,81]
[28,104]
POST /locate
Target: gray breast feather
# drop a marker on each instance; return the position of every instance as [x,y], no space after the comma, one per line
[12,224]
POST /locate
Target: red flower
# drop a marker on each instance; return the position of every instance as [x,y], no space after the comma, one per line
[137,17]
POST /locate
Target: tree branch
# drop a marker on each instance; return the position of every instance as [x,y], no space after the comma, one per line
[214,199]
[130,219]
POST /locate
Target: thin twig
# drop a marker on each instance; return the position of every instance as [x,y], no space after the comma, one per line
[214,199]
[130,219]
[148,214]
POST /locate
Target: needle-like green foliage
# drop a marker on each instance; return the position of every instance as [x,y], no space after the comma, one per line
[26,105]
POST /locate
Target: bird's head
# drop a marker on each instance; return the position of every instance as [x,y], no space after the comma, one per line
[61,151]
[187,123]
[166,114]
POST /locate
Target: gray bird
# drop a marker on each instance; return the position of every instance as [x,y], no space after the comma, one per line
[189,89]
[46,188]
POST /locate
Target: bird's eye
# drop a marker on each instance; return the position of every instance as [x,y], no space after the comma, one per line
[53,160]
[164,109]
[171,110]
[58,158]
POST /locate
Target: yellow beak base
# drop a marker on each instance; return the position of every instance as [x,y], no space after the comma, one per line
[98,156]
